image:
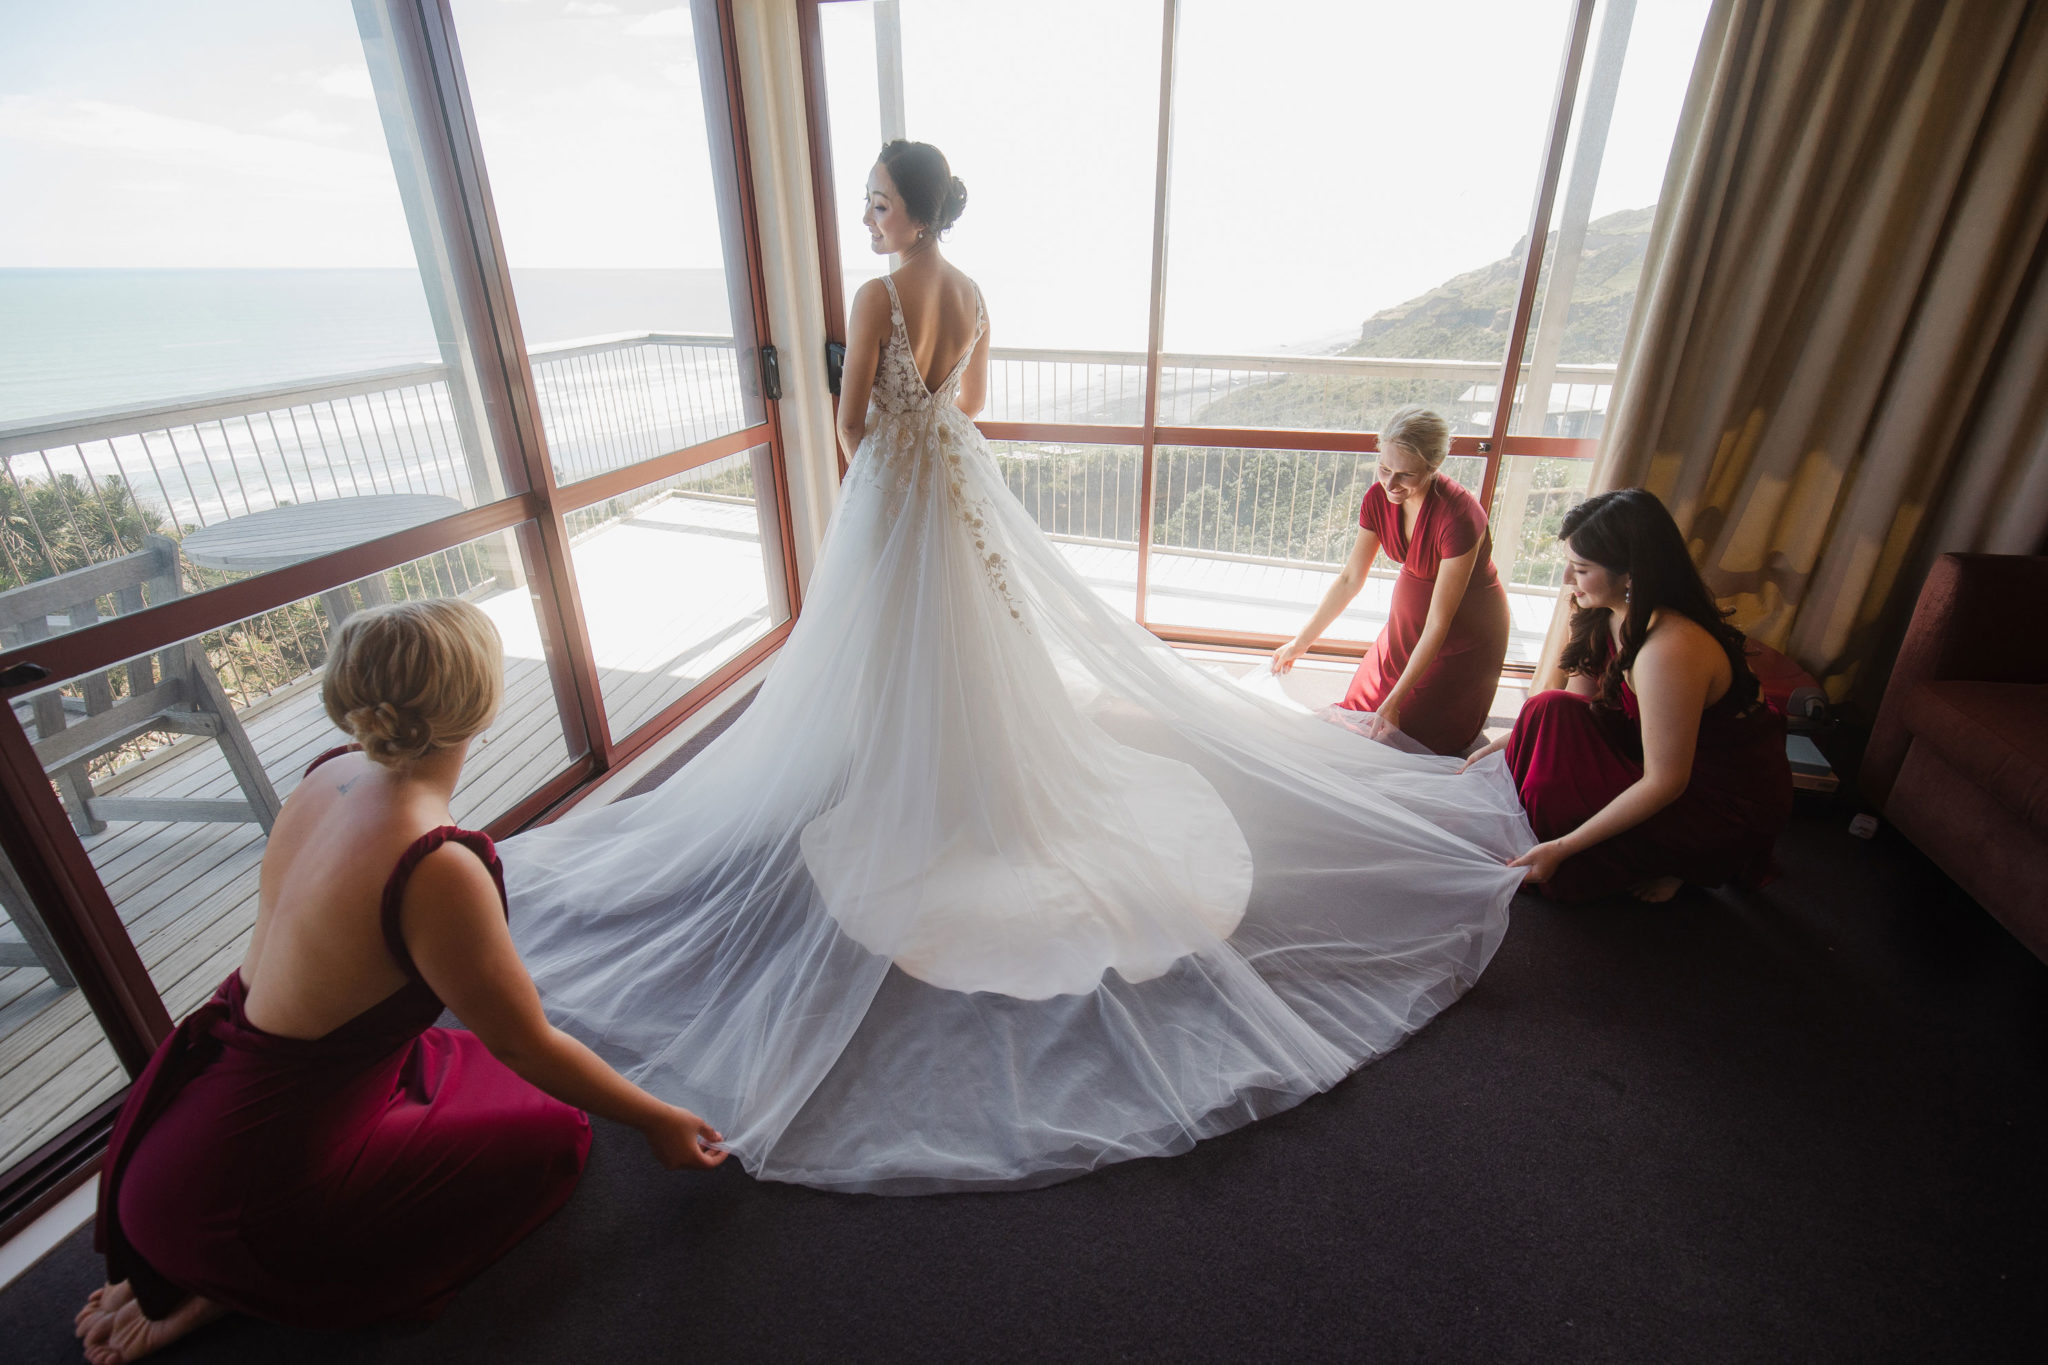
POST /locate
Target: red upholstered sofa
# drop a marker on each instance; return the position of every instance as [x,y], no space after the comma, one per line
[1959,758]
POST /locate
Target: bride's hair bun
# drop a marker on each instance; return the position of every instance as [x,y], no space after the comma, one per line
[931,193]
[412,677]
[953,205]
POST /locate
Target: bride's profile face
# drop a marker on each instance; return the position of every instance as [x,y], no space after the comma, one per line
[890,229]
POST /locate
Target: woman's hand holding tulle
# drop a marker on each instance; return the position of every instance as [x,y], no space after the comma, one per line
[1489,751]
[1284,657]
[1542,860]
[681,1139]
[1382,723]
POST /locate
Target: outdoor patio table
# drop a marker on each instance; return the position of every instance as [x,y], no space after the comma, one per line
[282,536]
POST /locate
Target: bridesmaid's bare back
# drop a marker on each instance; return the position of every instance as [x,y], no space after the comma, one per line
[317,957]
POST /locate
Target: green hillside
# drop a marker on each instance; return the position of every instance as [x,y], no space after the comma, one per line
[1467,317]
[1303,507]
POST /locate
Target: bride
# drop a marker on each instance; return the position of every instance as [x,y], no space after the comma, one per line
[989,887]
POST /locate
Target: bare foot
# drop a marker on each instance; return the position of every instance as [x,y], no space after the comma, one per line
[100,1303]
[1656,891]
[121,1334]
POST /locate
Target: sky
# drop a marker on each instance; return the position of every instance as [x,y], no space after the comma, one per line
[1330,157]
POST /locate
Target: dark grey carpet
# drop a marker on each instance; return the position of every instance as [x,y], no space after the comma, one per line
[1800,1126]
[690,748]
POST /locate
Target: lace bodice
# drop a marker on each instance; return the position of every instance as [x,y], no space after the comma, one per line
[899,387]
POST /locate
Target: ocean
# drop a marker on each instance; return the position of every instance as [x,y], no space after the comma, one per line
[77,340]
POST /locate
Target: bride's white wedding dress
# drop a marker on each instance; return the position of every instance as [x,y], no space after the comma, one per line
[988,886]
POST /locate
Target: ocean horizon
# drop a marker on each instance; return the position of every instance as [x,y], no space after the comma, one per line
[83,339]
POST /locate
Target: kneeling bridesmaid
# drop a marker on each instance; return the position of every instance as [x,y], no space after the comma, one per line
[1658,764]
[306,1147]
[1433,671]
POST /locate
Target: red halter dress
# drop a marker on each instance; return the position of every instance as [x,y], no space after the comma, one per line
[354,1178]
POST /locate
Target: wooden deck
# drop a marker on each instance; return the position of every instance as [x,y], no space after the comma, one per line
[187,892]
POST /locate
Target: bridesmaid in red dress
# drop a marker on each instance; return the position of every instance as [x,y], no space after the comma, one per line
[1435,667]
[1658,764]
[306,1147]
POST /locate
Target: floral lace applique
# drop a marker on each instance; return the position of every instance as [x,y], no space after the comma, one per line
[899,388]
[900,391]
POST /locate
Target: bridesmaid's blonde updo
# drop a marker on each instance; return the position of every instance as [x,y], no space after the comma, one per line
[1421,431]
[412,677]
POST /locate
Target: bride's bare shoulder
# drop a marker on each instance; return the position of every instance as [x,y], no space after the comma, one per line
[962,286]
[870,305]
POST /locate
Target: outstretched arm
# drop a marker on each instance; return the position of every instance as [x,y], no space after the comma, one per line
[458,938]
[1339,596]
[865,328]
[1672,673]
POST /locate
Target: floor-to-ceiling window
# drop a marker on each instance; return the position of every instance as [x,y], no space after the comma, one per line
[1222,242]
[307,308]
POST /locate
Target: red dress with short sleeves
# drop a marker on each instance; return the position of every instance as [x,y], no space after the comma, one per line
[354,1178]
[1447,707]
[1570,759]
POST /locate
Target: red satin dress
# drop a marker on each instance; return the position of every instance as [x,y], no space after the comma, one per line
[1448,706]
[354,1178]
[1570,760]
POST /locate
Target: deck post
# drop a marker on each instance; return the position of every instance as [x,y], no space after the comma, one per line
[208,695]
[39,948]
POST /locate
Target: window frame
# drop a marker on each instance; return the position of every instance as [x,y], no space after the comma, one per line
[36,834]
[1148,435]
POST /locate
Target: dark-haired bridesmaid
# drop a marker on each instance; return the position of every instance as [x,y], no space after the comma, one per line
[1658,764]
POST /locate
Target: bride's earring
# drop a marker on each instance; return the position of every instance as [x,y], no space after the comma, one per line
[1628,595]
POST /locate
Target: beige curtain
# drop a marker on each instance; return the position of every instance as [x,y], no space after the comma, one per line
[1838,364]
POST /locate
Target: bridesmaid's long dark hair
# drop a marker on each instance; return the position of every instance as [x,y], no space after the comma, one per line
[1629,531]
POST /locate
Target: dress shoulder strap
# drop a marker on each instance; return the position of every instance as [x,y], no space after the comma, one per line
[331,753]
[895,300]
[476,841]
